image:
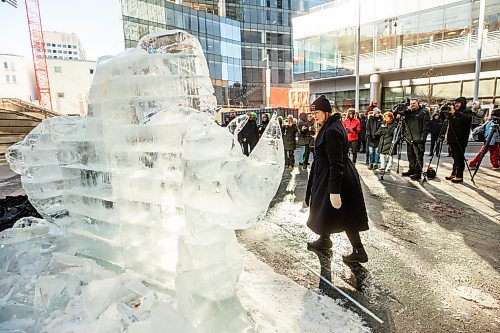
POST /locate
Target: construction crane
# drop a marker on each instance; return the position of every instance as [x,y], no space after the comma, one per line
[38,51]
[13,3]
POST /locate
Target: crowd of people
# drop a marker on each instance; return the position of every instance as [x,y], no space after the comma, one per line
[373,133]
[333,193]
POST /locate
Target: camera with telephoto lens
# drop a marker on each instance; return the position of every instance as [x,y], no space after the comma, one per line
[401,107]
[445,109]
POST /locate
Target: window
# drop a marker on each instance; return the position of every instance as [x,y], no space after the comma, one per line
[14,79]
[60,95]
[57,69]
[5,65]
[65,52]
[64,45]
[7,77]
[91,71]
[58,45]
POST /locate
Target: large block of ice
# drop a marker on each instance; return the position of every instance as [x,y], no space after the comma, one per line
[147,183]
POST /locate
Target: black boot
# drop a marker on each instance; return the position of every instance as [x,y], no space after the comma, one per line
[357,255]
[407,173]
[416,176]
[322,243]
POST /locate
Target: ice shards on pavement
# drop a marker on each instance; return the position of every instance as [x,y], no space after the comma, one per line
[140,201]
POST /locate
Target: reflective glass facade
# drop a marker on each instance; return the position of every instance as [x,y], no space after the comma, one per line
[420,48]
[218,36]
[266,33]
[236,45]
[437,35]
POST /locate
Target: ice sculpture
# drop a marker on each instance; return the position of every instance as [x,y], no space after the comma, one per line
[149,183]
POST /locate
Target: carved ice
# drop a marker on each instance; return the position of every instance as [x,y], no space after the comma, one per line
[141,198]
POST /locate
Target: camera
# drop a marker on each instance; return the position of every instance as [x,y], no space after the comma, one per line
[445,109]
[401,107]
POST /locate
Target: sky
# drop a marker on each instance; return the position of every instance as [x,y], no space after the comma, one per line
[97,23]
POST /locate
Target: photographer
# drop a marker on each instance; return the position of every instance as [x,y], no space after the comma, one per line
[416,127]
[494,145]
[458,136]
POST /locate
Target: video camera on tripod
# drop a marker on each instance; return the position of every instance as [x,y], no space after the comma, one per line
[400,108]
[446,109]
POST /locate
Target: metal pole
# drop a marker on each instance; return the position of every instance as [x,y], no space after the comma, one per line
[268,82]
[358,48]
[480,29]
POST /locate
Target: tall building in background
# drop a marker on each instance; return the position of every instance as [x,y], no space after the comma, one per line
[237,37]
[70,82]
[17,78]
[419,48]
[61,45]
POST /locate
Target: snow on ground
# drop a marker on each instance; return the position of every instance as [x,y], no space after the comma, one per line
[278,304]
[45,288]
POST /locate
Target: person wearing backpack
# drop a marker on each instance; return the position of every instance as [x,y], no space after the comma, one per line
[494,146]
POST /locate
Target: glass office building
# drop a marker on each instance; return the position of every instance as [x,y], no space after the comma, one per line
[218,36]
[237,37]
[419,48]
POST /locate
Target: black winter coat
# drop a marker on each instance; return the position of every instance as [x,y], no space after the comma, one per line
[459,127]
[250,132]
[417,125]
[289,133]
[386,134]
[362,133]
[436,125]
[263,127]
[372,127]
[333,172]
[305,136]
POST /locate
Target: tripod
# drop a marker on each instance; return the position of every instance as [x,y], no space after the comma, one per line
[494,129]
[430,173]
[396,142]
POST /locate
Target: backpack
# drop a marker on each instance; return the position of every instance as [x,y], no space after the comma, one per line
[478,133]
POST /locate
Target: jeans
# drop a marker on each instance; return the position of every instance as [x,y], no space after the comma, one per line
[386,162]
[374,155]
[304,151]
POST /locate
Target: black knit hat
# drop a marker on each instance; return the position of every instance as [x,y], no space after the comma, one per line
[321,104]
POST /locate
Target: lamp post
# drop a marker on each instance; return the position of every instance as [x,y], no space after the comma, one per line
[268,80]
[358,47]
[480,29]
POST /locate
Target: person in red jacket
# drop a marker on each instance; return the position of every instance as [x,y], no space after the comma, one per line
[353,127]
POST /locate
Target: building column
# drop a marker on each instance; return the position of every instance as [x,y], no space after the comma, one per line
[222,8]
[376,88]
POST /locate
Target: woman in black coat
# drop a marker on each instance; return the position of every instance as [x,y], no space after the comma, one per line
[334,191]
